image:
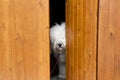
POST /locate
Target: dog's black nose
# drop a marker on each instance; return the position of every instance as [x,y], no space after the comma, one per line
[60,44]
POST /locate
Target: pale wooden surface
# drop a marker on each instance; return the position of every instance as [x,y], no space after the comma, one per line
[24,40]
[81,33]
[109,40]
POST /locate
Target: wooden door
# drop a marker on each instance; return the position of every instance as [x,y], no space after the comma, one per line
[81,34]
[109,40]
[24,40]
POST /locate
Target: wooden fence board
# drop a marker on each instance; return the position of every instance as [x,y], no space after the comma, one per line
[109,40]
[81,33]
[24,40]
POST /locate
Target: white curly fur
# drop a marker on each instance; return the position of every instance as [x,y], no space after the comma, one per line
[57,36]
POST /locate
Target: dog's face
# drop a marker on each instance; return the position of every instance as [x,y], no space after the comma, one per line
[58,46]
[57,37]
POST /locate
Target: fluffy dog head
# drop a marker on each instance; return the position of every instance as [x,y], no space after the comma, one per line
[57,37]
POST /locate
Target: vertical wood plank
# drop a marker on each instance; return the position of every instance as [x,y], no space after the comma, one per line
[109,40]
[81,34]
[24,40]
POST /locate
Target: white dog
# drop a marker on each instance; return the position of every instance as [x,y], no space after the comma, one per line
[58,46]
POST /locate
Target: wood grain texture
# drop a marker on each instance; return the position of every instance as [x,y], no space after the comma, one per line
[81,34]
[24,40]
[109,40]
